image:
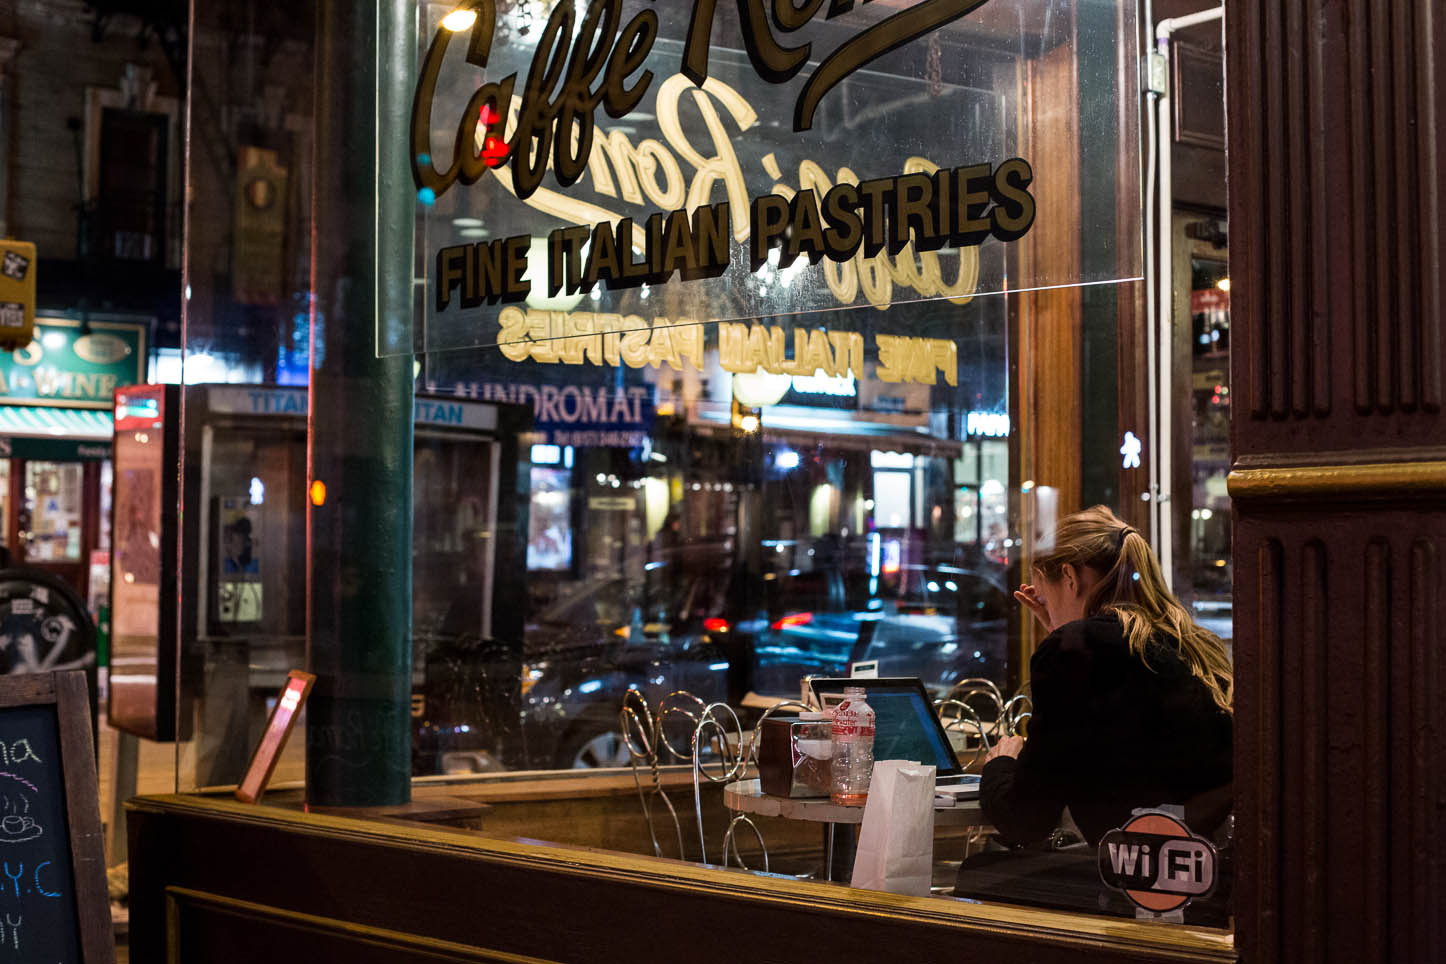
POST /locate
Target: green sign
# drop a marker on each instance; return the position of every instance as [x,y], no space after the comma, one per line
[63,367]
[53,449]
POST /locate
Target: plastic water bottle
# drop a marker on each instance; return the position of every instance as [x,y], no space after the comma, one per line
[853,749]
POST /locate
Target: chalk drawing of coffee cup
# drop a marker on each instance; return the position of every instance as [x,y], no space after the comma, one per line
[16,795]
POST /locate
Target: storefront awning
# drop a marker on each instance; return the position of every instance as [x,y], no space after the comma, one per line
[54,434]
[37,422]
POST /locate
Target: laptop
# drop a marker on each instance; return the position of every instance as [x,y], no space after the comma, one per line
[905,728]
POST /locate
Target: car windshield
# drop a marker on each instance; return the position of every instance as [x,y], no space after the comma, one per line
[669,594]
[948,590]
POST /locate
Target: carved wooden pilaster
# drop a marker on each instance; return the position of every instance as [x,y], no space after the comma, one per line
[1336,206]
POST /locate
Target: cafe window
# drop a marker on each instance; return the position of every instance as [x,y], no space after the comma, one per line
[53,502]
[751,375]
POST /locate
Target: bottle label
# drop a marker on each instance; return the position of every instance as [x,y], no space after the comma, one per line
[850,725]
[853,732]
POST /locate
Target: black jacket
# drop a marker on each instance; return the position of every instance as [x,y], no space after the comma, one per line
[1108,734]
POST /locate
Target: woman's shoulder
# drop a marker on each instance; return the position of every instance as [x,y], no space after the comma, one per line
[1101,633]
[1077,644]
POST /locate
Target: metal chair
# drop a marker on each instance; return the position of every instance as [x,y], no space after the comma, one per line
[967,689]
[752,753]
[749,757]
[1016,712]
[958,716]
[958,713]
[648,740]
[644,739]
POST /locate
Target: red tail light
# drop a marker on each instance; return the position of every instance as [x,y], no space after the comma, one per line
[793,619]
[716,625]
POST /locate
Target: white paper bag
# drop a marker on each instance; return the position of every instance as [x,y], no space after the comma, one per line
[896,843]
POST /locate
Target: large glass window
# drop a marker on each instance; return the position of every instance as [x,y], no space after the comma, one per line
[761,374]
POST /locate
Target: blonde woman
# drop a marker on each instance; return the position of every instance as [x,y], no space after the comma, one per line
[1131,696]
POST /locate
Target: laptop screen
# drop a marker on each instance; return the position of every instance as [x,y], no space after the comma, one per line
[905,726]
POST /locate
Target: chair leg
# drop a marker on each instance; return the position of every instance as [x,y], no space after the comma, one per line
[828,856]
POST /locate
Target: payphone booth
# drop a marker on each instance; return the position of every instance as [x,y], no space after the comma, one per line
[243,575]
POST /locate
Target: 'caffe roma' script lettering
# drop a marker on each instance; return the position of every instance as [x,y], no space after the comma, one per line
[567,83]
[684,172]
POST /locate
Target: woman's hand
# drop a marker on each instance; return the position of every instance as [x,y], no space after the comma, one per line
[1028,597]
[1008,746]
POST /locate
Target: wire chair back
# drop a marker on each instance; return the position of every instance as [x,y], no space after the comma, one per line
[1017,711]
[959,717]
[977,689]
[642,734]
[711,726]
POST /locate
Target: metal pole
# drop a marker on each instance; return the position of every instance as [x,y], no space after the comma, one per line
[1165,327]
[359,437]
[127,765]
[828,857]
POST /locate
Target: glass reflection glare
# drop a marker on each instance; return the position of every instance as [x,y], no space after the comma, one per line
[460,19]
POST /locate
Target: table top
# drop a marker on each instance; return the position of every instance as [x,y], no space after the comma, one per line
[748,796]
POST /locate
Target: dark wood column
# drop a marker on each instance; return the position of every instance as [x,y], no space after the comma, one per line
[1336,212]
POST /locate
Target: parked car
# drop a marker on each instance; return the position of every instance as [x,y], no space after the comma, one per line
[941,624]
[608,636]
[692,622]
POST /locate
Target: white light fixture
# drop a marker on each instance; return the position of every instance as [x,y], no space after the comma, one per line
[546,454]
[991,424]
[460,19]
[759,388]
[820,383]
[891,460]
[1223,284]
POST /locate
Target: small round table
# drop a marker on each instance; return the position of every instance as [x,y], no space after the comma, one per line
[748,796]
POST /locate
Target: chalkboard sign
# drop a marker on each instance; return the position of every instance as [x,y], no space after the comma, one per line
[54,908]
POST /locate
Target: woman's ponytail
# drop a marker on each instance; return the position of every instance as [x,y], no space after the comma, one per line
[1133,587]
